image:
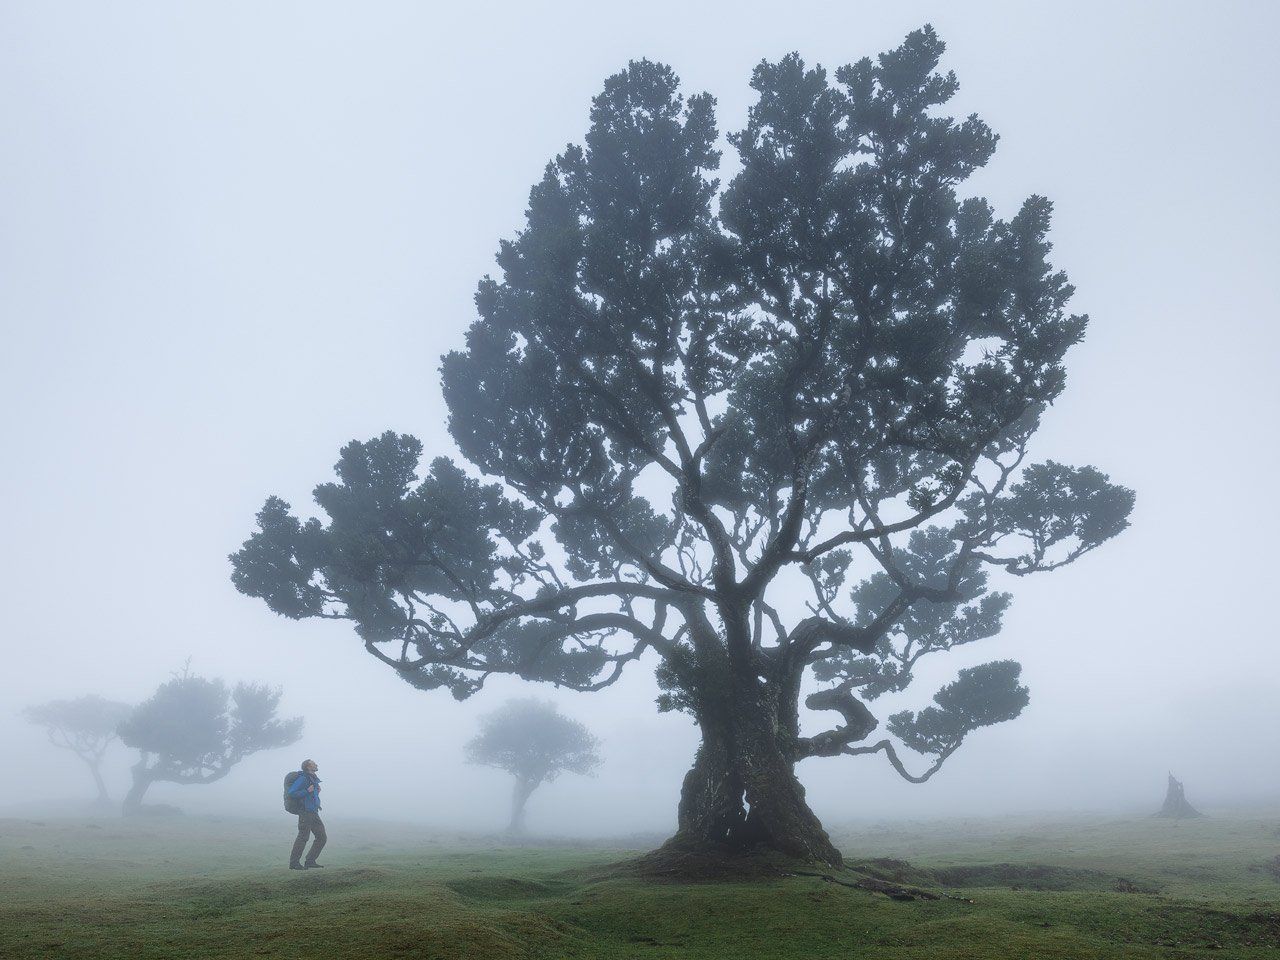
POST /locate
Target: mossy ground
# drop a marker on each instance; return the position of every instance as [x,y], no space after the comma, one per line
[194,888]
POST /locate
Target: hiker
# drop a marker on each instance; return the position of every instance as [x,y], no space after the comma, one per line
[306,789]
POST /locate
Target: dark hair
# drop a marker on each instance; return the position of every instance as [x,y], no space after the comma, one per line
[304,764]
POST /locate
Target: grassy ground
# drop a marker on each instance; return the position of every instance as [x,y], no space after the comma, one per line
[195,888]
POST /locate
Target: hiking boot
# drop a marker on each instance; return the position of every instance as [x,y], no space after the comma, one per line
[311,866]
[296,866]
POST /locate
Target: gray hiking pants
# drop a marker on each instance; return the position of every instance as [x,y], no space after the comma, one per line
[309,824]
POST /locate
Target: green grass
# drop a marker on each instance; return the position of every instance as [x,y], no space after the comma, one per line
[194,888]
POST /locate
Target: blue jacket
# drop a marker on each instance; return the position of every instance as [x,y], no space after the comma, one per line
[310,801]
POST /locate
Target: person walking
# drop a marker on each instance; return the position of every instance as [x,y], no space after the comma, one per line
[306,788]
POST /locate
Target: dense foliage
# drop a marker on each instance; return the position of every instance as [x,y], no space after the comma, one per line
[194,730]
[699,400]
[535,743]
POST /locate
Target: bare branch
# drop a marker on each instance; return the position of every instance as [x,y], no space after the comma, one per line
[890,752]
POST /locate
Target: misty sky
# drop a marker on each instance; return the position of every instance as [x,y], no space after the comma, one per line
[235,236]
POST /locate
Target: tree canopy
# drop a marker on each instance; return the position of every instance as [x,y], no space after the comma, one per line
[534,742]
[195,730]
[86,726]
[697,399]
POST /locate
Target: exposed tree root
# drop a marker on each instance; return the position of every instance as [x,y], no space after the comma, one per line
[673,863]
[894,891]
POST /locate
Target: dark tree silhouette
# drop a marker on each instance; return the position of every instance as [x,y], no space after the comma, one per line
[86,726]
[1176,806]
[194,730]
[535,743]
[710,412]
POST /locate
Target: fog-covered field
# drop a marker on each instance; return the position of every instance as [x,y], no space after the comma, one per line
[798,470]
[192,886]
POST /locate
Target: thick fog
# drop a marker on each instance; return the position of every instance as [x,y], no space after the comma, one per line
[235,236]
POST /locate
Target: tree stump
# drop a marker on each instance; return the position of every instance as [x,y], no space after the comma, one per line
[1176,806]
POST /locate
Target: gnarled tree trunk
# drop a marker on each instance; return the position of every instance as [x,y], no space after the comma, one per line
[104,798]
[141,782]
[742,793]
[1176,806]
[519,797]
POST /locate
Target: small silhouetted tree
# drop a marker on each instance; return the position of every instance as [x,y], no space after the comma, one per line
[701,402]
[194,730]
[86,726]
[1176,805]
[535,743]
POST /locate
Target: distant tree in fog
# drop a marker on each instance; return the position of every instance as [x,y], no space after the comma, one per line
[194,730]
[535,743]
[1176,806]
[86,726]
[708,404]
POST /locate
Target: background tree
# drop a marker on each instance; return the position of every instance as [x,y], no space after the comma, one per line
[194,730]
[1176,805]
[86,726]
[535,743]
[823,377]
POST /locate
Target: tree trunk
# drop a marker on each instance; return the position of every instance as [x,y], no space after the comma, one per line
[1176,806]
[742,793]
[103,797]
[519,797]
[141,781]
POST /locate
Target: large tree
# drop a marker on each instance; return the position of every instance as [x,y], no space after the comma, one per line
[535,743]
[194,730]
[700,401]
[86,726]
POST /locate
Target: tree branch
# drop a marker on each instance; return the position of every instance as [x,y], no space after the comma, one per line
[878,531]
[859,722]
[890,752]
